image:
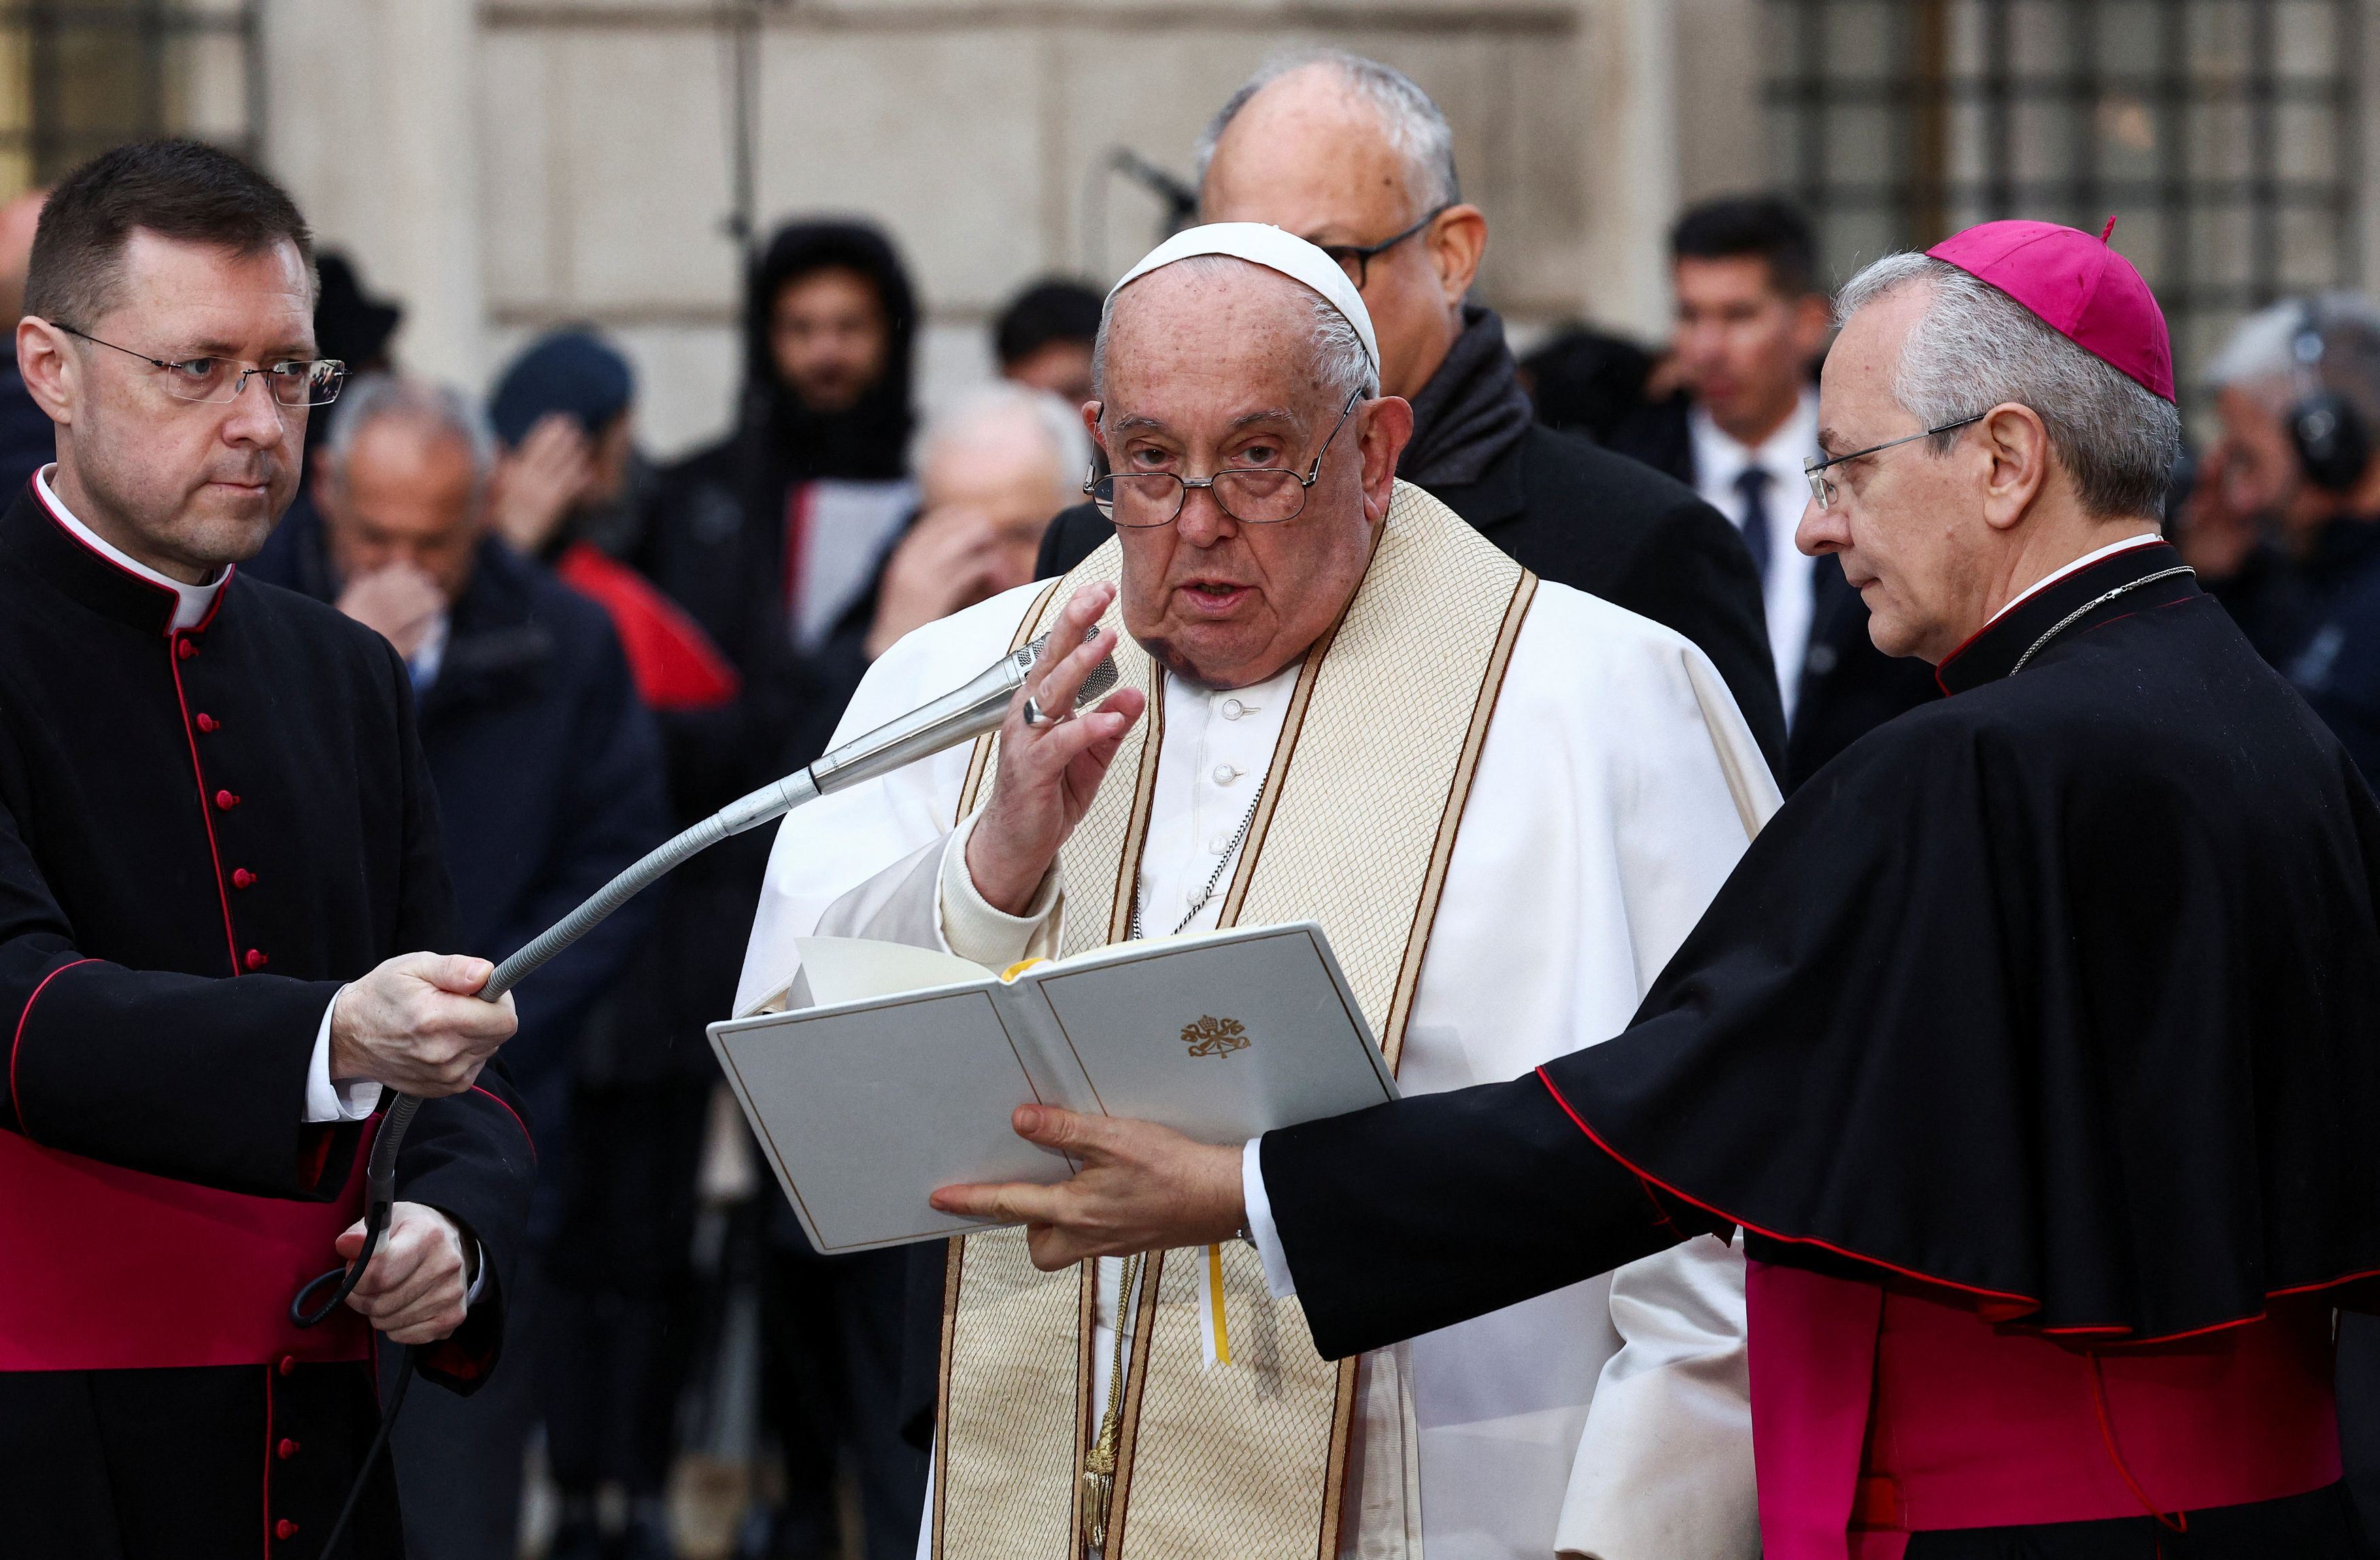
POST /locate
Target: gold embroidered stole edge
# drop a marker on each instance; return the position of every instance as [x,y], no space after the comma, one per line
[1023,1498]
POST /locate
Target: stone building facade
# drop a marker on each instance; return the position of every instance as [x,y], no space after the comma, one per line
[505,166]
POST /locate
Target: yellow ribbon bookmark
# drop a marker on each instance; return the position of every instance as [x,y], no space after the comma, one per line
[1212,1323]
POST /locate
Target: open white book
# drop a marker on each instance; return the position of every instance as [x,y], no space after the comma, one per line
[894,1068]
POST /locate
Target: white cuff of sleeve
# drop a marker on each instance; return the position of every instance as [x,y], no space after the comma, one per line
[971,927]
[348,1100]
[478,1255]
[1260,1230]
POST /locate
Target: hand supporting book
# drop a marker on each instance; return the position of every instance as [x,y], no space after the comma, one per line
[889,1073]
[1142,1188]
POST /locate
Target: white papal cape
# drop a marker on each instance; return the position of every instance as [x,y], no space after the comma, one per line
[1614,790]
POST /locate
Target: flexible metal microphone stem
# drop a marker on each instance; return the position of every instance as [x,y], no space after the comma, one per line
[960,715]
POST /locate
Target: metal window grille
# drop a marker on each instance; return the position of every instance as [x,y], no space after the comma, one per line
[2223,135]
[78,78]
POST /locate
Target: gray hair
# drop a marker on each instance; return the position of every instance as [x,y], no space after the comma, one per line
[374,396]
[1976,347]
[1058,423]
[2301,344]
[1414,124]
[1337,348]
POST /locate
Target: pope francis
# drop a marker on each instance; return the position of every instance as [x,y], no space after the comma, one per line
[1505,802]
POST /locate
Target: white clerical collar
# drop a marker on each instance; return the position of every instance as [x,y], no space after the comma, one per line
[1720,457]
[192,602]
[2147,539]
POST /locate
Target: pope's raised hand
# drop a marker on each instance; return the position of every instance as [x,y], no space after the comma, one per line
[1050,770]
[1142,1188]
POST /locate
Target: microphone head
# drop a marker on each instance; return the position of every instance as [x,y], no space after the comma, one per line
[1096,686]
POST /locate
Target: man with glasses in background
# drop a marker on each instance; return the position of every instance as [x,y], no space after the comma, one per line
[218,847]
[1336,671]
[1354,157]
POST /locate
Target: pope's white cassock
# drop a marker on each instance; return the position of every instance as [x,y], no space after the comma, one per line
[1615,787]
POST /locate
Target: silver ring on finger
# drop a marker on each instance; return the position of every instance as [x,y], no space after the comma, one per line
[1036,717]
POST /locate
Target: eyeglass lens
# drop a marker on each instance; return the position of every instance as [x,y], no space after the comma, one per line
[310,384]
[1265,497]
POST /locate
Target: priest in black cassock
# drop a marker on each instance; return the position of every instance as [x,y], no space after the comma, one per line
[2030,1046]
[218,846]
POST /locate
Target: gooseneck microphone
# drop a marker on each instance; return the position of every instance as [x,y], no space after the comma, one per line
[960,715]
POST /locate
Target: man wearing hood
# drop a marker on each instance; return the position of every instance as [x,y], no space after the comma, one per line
[767,540]
[1353,156]
[778,528]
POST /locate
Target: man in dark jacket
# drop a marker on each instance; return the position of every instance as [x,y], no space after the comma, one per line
[548,777]
[769,539]
[1750,322]
[1355,157]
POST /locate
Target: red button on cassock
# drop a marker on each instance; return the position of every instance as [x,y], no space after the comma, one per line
[285,1529]
[186,649]
[256,960]
[241,877]
[208,721]
[287,1450]
[225,801]
[288,1363]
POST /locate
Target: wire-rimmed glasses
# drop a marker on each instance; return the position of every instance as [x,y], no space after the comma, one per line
[294,382]
[1254,496]
[1822,487]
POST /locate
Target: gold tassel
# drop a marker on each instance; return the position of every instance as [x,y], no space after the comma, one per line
[1099,1466]
[1099,1489]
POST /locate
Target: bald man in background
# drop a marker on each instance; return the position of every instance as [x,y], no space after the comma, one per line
[1353,156]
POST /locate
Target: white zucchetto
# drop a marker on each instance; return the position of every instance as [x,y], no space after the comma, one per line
[1275,248]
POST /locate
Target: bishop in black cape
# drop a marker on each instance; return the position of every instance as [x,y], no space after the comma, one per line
[2060,997]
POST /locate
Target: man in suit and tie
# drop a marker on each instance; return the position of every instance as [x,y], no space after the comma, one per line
[1751,323]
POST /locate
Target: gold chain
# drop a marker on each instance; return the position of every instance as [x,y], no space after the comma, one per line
[1099,1466]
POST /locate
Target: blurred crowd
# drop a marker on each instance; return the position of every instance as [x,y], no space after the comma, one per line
[604,650]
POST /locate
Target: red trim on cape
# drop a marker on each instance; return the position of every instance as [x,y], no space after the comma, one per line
[514,1114]
[2030,1303]
[24,1013]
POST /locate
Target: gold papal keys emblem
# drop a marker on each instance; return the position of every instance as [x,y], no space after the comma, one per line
[1215,1036]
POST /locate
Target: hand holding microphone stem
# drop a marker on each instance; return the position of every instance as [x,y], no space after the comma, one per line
[416,1025]
[1050,769]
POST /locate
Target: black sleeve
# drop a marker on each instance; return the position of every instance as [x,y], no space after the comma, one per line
[1692,573]
[1074,535]
[1408,1217]
[611,810]
[471,1156]
[196,1080]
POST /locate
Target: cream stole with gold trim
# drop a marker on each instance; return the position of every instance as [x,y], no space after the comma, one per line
[1361,805]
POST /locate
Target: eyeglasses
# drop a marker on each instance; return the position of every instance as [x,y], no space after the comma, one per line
[1357,258]
[1254,496]
[294,382]
[1822,487]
